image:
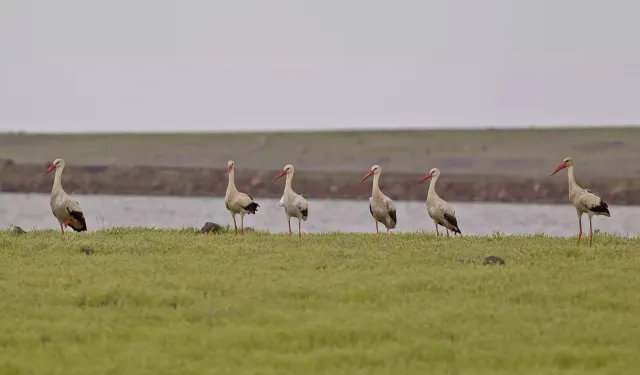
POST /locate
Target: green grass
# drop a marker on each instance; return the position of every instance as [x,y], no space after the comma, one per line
[162,301]
[524,152]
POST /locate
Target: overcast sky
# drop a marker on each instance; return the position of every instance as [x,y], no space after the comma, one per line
[145,65]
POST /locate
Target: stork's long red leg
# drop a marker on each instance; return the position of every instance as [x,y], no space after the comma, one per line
[289,229]
[242,224]
[299,231]
[62,229]
[437,232]
[580,228]
[234,223]
[447,232]
[377,232]
[590,232]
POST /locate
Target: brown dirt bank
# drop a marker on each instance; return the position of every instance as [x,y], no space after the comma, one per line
[199,181]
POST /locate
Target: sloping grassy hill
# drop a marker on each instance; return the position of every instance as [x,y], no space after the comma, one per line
[604,152]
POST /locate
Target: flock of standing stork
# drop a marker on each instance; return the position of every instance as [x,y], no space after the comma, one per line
[381,207]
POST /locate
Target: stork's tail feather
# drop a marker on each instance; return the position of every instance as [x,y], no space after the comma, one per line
[79,216]
[453,222]
[305,214]
[80,229]
[602,209]
[252,208]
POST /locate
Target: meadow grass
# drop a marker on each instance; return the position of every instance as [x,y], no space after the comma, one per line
[170,301]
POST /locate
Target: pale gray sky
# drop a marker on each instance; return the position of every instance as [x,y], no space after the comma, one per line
[144,65]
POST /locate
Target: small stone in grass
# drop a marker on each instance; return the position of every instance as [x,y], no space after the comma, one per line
[86,251]
[491,259]
[16,229]
[210,227]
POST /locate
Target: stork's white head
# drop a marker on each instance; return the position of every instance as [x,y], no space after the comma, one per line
[434,172]
[567,162]
[57,164]
[230,165]
[288,169]
[375,170]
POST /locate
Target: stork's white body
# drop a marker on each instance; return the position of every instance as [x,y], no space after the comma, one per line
[583,200]
[294,204]
[381,207]
[440,211]
[66,210]
[236,202]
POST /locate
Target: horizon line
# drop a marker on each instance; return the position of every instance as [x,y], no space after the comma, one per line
[327,130]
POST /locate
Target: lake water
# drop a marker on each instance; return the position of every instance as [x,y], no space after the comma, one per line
[31,211]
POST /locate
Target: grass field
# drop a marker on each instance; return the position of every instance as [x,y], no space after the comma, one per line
[527,152]
[158,302]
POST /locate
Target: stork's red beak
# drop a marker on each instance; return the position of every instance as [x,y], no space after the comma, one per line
[560,167]
[367,176]
[52,167]
[280,175]
[425,178]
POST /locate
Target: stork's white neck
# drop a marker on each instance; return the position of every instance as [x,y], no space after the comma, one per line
[231,186]
[572,179]
[57,181]
[432,186]
[375,189]
[287,184]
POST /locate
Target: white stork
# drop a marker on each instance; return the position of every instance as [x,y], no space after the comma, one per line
[380,206]
[294,204]
[237,202]
[65,209]
[439,210]
[583,199]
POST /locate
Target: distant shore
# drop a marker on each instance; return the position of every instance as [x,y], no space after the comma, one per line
[477,165]
[172,181]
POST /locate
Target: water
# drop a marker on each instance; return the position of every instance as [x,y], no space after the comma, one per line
[31,211]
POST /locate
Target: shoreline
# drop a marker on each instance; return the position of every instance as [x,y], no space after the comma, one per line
[207,182]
